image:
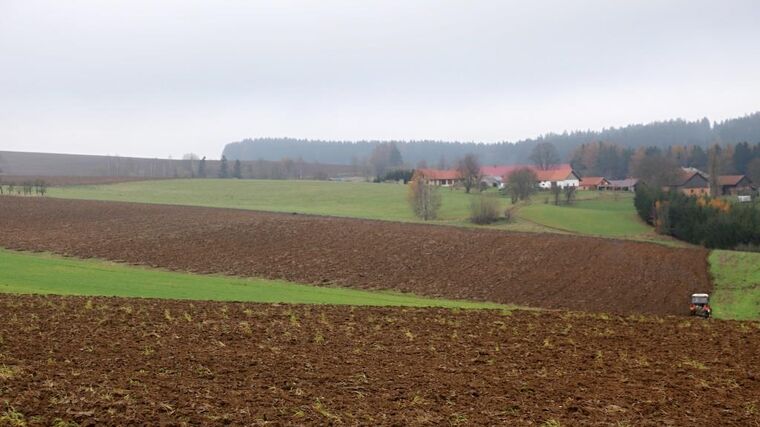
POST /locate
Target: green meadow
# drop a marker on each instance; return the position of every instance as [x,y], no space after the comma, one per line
[737,293]
[594,213]
[737,284]
[607,214]
[27,273]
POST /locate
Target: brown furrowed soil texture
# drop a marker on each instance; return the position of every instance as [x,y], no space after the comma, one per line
[154,362]
[542,270]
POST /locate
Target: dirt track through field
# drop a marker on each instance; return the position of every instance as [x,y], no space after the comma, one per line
[109,361]
[541,270]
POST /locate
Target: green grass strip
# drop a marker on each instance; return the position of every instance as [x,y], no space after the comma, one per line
[26,273]
[737,284]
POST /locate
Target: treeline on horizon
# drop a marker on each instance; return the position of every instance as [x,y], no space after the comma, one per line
[663,134]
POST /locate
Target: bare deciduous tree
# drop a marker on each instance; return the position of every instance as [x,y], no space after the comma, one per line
[423,198]
[570,194]
[521,183]
[469,170]
[544,155]
[657,171]
[557,192]
[385,156]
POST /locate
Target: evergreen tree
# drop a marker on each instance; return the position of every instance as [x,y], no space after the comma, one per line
[742,156]
[698,158]
[202,167]
[236,170]
[224,169]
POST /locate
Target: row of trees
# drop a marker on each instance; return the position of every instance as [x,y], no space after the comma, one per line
[26,188]
[616,162]
[711,222]
[196,167]
[661,134]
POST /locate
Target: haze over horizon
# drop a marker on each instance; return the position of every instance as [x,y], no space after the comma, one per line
[142,79]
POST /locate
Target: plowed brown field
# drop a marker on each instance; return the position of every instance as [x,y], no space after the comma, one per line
[151,362]
[542,270]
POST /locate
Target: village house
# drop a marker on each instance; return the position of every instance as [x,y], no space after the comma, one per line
[442,177]
[692,182]
[733,185]
[628,184]
[561,175]
[494,176]
[593,183]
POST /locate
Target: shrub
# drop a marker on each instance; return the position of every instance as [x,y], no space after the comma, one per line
[484,209]
[711,222]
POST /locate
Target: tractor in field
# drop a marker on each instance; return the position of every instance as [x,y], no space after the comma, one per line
[700,305]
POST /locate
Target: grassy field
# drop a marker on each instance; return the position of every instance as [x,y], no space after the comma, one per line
[26,273]
[608,214]
[737,284]
[348,199]
[594,213]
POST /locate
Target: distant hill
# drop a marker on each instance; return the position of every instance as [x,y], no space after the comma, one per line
[660,134]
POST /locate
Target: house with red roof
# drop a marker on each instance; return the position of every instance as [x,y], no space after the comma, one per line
[628,184]
[561,175]
[734,184]
[593,183]
[442,177]
[692,182]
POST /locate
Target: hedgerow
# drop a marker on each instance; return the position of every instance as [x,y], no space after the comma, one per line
[710,222]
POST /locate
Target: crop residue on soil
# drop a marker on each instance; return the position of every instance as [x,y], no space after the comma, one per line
[131,361]
[541,270]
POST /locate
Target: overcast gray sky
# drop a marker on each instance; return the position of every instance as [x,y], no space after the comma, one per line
[159,78]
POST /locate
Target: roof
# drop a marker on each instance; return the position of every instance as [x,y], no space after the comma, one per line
[560,173]
[593,180]
[730,179]
[491,179]
[557,173]
[688,174]
[439,173]
[628,182]
[496,170]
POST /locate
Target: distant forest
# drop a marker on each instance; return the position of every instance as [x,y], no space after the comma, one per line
[444,154]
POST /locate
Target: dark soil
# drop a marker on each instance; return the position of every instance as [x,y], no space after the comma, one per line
[541,270]
[110,361]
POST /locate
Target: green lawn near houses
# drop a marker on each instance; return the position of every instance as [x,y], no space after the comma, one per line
[604,214]
[346,199]
[28,273]
[594,213]
[736,277]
